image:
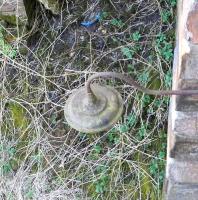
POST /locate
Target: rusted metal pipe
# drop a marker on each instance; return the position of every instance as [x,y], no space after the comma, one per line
[133,83]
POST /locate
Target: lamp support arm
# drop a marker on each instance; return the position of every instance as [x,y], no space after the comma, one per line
[135,85]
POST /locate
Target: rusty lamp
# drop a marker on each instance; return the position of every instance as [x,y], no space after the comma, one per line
[95,108]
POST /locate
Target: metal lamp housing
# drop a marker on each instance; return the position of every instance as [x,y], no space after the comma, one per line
[90,115]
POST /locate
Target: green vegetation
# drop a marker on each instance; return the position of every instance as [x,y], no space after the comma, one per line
[39,153]
[5,48]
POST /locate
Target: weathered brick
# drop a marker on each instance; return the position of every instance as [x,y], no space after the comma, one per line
[193,49]
[182,172]
[183,135]
[192,24]
[187,103]
[185,125]
[189,66]
[185,151]
[182,192]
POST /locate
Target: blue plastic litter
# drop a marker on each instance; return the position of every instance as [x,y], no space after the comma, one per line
[91,23]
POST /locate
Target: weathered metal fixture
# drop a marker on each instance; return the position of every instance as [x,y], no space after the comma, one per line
[96,108]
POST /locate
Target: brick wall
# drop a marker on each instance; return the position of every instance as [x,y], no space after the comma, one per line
[182,158]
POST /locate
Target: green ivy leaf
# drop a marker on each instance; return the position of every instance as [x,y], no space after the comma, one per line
[135,36]
[127,52]
[97,149]
[117,22]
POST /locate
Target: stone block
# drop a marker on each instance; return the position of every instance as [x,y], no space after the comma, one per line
[183,135]
[185,125]
[189,66]
[188,103]
[185,151]
[192,25]
[13,11]
[182,192]
[182,172]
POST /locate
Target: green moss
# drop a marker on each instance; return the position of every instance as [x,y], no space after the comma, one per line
[9,18]
[18,115]
[23,51]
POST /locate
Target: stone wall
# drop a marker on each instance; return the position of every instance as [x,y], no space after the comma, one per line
[20,11]
[182,157]
[13,11]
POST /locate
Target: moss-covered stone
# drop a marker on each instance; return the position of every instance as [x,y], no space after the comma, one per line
[11,19]
[13,12]
[52,5]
